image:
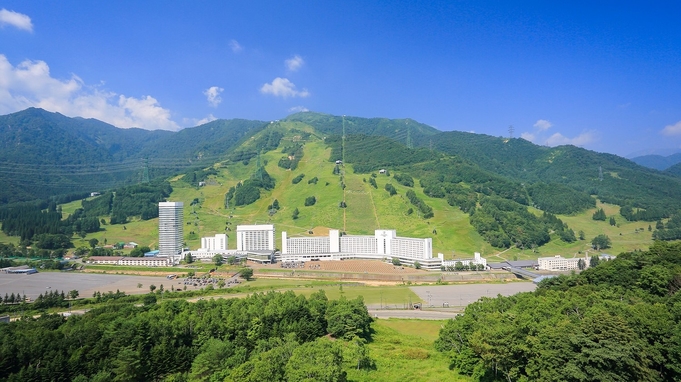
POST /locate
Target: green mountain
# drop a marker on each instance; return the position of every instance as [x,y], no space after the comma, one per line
[658,162]
[397,173]
[44,154]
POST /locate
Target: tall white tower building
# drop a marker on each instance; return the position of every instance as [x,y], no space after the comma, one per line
[170,228]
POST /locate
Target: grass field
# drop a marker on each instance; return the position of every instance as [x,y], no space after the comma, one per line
[403,351]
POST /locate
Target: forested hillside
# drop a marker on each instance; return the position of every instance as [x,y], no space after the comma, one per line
[44,154]
[509,191]
[617,321]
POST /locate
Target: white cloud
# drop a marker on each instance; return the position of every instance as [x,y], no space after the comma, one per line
[213,95]
[674,129]
[542,125]
[528,136]
[294,63]
[282,87]
[558,139]
[235,46]
[298,109]
[15,19]
[198,122]
[29,84]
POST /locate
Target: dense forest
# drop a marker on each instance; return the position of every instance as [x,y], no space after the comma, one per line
[43,154]
[617,321]
[264,337]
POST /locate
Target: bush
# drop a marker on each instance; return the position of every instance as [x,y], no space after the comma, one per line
[310,201]
[298,178]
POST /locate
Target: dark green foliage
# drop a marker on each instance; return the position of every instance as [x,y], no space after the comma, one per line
[392,128]
[248,191]
[559,199]
[79,155]
[651,214]
[268,141]
[246,273]
[425,209]
[615,321]
[321,360]
[613,222]
[100,205]
[254,338]
[556,225]
[313,180]
[396,261]
[372,182]
[194,176]
[295,214]
[139,200]
[404,179]
[504,223]
[391,189]
[310,201]
[293,156]
[601,242]
[348,318]
[297,179]
[623,182]
[370,153]
[49,241]
[670,231]
[599,215]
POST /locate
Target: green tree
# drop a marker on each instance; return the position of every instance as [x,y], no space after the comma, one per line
[188,258]
[73,294]
[210,360]
[601,242]
[217,259]
[581,264]
[599,215]
[417,265]
[396,261]
[348,318]
[295,214]
[320,360]
[612,221]
[93,242]
[246,273]
[152,287]
[582,235]
[310,201]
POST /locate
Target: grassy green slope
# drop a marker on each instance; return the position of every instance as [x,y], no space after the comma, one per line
[367,209]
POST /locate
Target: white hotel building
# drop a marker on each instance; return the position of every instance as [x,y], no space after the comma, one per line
[383,245]
[255,238]
[559,263]
[211,246]
[170,229]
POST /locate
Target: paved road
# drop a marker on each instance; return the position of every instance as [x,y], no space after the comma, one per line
[414,314]
[461,295]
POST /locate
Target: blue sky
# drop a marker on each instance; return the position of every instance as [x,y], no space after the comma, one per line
[606,77]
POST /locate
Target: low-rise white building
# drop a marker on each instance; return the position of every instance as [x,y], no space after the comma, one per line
[476,260]
[131,261]
[214,243]
[559,263]
[383,245]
